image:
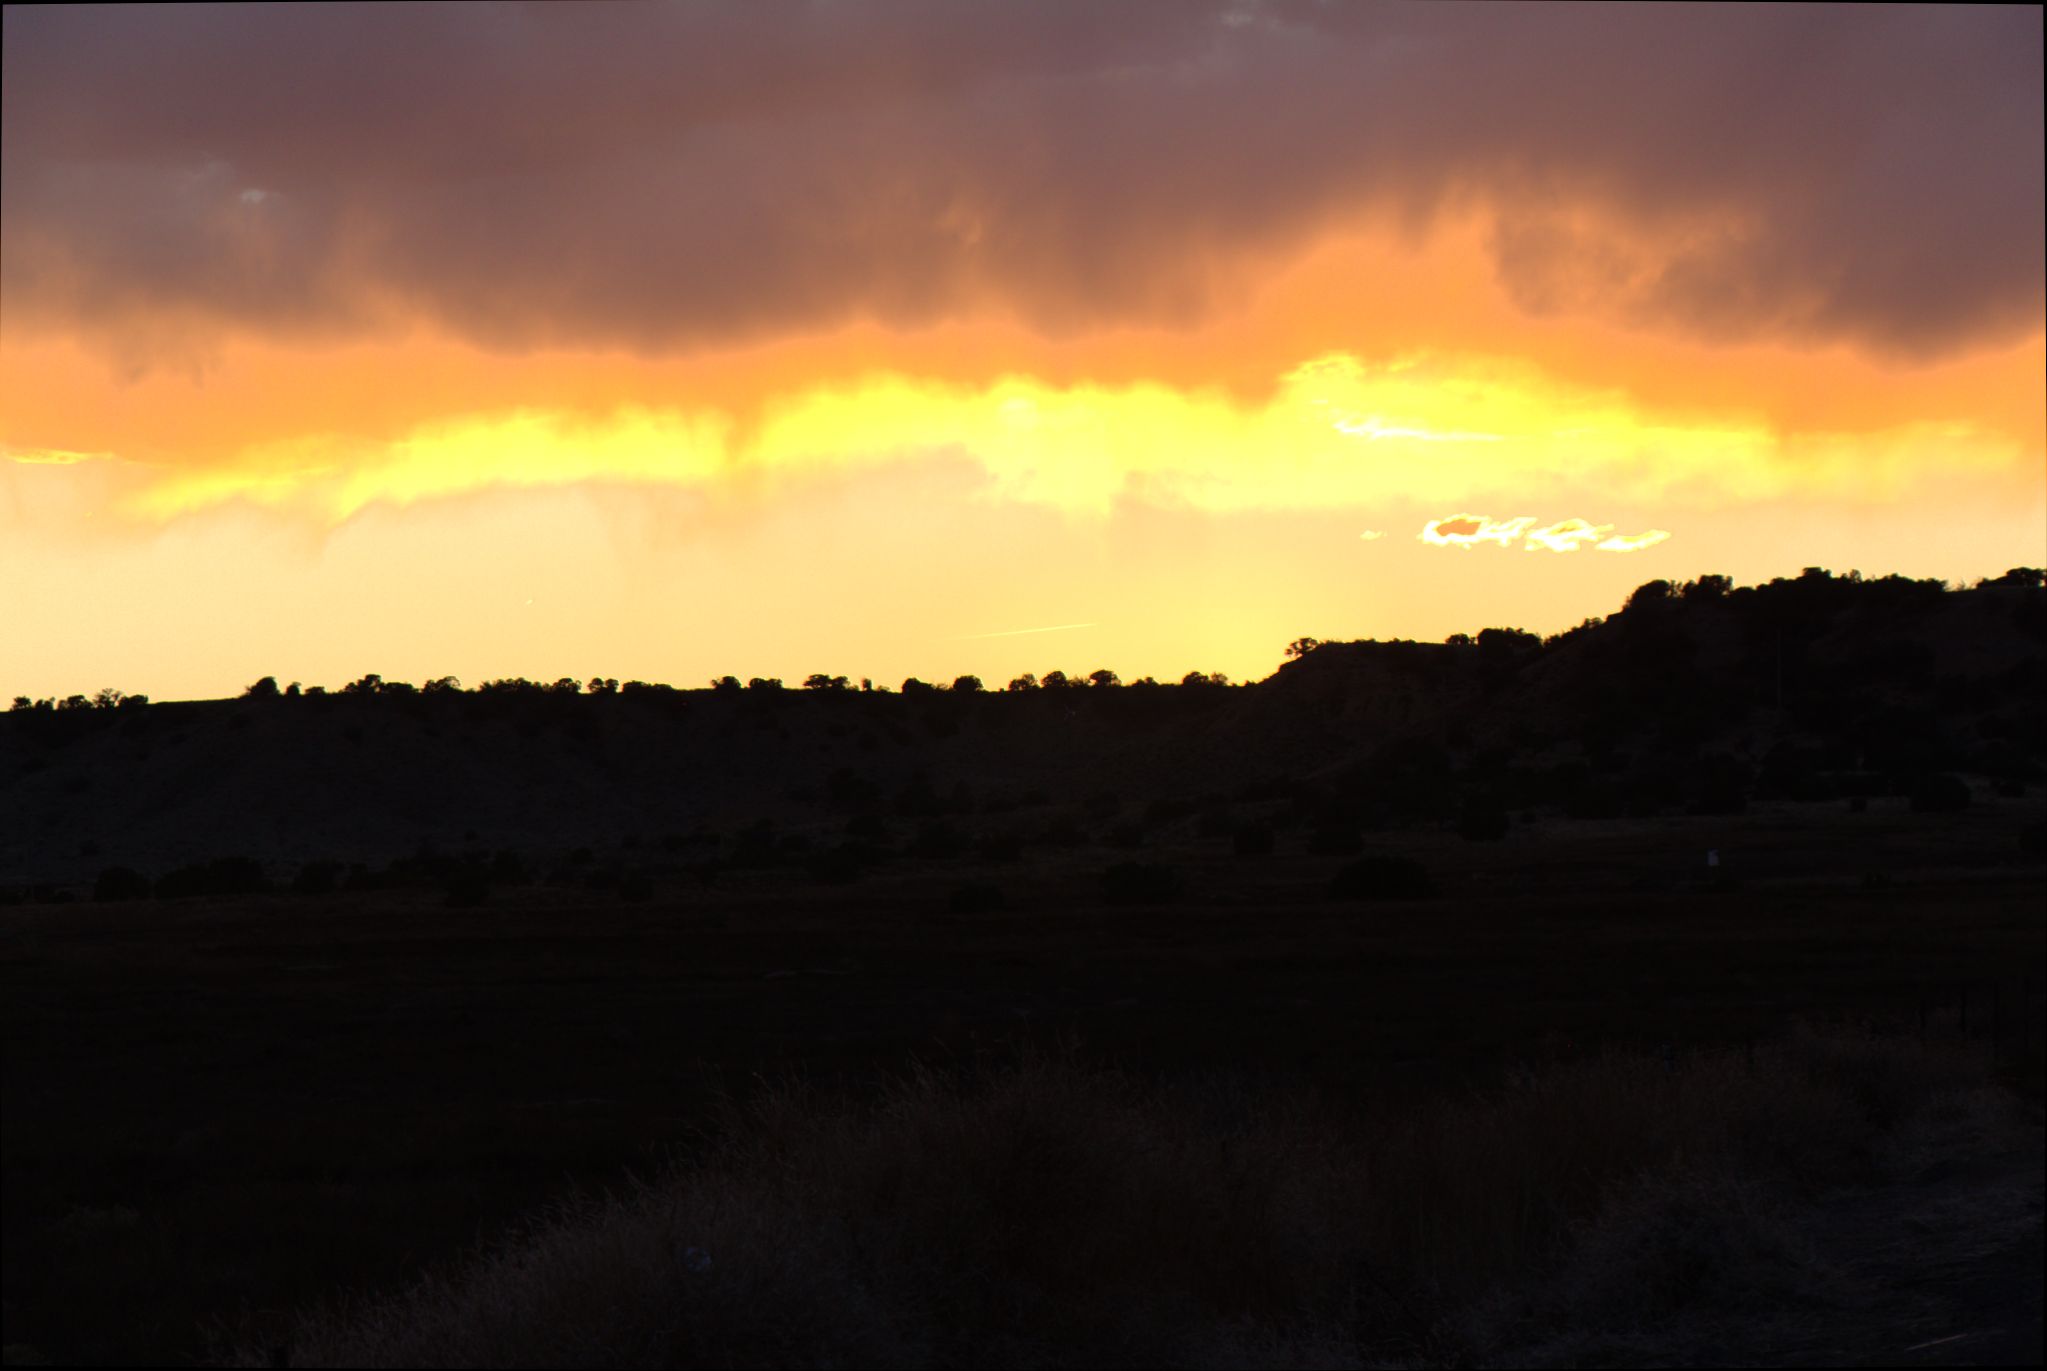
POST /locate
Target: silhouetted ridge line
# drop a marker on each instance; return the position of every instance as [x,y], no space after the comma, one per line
[1699,698]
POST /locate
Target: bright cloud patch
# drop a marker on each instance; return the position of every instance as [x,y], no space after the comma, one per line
[1468,530]
[1632,542]
[1079,446]
[1566,535]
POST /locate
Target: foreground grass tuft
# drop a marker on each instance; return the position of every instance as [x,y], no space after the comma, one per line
[1052,1213]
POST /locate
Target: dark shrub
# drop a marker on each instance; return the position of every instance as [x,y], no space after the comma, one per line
[316,878]
[1252,840]
[1063,833]
[999,847]
[938,840]
[1482,822]
[1939,793]
[1335,840]
[848,790]
[223,876]
[977,899]
[870,830]
[841,865]
[467,887]
[917,799]
[1125,836]
[1166,810]
[1140,883]
[754,845]
[1382,878]
[120,883]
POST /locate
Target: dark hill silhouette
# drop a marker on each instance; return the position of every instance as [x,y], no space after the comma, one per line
[1698,698]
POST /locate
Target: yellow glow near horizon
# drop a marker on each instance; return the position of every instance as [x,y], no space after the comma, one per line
[1337,431]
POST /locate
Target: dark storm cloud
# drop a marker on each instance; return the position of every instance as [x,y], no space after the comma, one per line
[662,176]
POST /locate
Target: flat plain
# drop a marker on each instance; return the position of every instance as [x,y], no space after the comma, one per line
[219,1107]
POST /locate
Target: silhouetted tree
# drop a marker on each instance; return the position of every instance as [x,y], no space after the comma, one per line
[265,689]
[603,685]
[1104,678]
[120,883]
[725,683]
[1054,680]
[1711,587]
[368,685]
[764,684]
[1650,594]
[22,702]
[817,680]
[966,685]
[1301,647]
[1027,681]
[106,697]
[1507,641]
[440,685]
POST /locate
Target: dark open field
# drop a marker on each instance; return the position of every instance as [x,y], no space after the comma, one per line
[217,1106]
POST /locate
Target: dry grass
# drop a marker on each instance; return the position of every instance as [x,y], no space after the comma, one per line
[1050,1213]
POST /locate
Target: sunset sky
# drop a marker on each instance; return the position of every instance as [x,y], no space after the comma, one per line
[663,342]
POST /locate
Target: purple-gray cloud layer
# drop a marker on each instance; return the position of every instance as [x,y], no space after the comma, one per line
[663,176]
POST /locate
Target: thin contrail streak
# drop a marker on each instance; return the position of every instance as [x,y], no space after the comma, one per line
[1019,632]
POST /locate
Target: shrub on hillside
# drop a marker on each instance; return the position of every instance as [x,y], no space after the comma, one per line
[999,846]
[839,865]
[977,898]
[316,878]
[466,887]
[222,876]
[1382,878]
[1252,840]
[120,883]
[1125,836]
[1335,840]
[938,840]
[1140,883]
[1482,822]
